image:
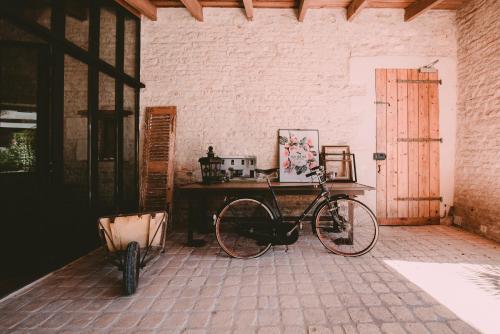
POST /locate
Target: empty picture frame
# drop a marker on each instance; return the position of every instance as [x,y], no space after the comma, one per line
[298,153]
[339,163]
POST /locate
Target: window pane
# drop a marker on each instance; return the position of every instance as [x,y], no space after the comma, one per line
[75,172]
[130,45]
[9,31]
[129,149]
[106,138]
[18,108]
[33,11]
[107,36]
[77,22]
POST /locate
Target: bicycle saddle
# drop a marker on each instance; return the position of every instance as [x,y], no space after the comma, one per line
[267,171]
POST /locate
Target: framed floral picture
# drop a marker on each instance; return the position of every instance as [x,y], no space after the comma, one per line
[298,153]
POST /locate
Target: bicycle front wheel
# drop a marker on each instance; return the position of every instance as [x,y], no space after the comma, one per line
[244,228]
[346,227]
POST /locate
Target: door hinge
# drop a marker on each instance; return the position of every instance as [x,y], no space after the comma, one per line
[419,199]
[421,81]
[420,139]
[382,102]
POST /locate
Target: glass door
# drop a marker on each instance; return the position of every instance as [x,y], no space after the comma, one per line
[69,102]
[24,170]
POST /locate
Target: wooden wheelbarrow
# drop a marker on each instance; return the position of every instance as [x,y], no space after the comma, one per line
[125,236]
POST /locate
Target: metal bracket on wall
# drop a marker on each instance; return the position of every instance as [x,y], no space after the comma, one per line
[421,81]
[420,139]
[382,102]
[419,199]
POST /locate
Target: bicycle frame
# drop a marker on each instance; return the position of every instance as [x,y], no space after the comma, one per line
[324,195]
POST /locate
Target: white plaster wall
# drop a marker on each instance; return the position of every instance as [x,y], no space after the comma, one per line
[235,82]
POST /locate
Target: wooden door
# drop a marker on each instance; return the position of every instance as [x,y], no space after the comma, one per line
[408,133]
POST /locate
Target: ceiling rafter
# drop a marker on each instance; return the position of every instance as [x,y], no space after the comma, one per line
[303,7]
[195,9]
[419,7]
[138,7]
[248,4]
[355,8]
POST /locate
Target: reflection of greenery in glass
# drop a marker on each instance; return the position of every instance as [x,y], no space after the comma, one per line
[20,155]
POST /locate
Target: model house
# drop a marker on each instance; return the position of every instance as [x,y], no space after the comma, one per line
[239,166]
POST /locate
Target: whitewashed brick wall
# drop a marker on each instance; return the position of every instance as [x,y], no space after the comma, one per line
[235,82]
[477,176]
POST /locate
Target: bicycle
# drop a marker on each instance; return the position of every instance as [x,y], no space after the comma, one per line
[248,227]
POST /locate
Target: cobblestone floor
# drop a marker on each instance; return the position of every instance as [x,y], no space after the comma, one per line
[306,290]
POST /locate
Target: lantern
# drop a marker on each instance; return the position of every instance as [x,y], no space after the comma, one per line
[210,167]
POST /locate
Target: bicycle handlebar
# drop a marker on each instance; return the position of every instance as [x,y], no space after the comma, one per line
[313,171]
[270,171]
[310,174]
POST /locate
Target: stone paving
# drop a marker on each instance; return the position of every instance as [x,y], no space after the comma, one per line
[304,290]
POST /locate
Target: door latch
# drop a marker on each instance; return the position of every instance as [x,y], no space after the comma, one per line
[379,156]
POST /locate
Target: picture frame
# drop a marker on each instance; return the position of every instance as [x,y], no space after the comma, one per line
[298,152]
[335,149]
[339,163]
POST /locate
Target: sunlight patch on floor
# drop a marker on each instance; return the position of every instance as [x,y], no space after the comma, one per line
[471,291]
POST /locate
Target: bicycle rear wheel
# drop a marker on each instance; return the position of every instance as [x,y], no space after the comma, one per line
[346,227]
[244,228]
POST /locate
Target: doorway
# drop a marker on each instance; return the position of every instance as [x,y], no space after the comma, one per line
[69,102]
[408,133]
[24,168]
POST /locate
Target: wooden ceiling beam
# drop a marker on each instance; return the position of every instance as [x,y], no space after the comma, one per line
[248,4]
[303,7]
[144,7]
[355,8]
[446,4]
[419,7]
[195,9]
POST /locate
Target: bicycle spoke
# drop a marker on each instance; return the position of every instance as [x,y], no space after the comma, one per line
[243,228]
[351,231]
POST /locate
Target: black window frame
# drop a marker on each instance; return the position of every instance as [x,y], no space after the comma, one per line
[59,46]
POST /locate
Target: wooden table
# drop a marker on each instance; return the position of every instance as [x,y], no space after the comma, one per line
[197,193]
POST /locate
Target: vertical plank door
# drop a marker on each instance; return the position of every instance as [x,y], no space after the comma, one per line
[408,133]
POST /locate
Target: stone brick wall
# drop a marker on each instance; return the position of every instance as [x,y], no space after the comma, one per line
[235,83]
[477,181]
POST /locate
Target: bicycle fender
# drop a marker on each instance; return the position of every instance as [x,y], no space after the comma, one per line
[339,196]
[315,213]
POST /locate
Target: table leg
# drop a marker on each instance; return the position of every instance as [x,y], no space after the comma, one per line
[351,223]
[191,242]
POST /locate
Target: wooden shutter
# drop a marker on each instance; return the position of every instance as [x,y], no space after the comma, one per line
[408,132]
[157,176]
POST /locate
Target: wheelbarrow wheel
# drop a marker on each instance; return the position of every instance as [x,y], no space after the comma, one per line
[131,268]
